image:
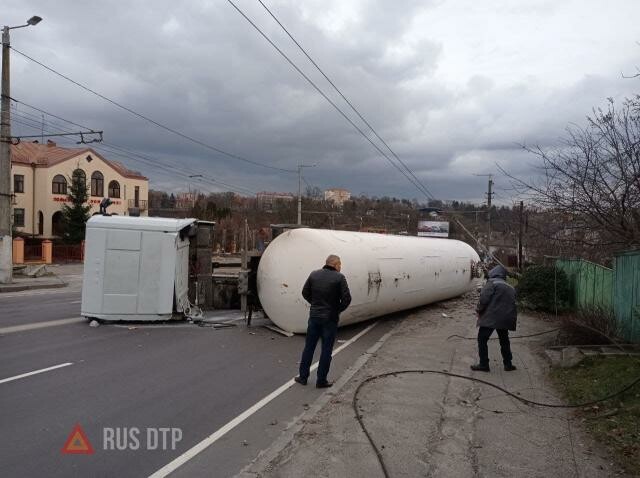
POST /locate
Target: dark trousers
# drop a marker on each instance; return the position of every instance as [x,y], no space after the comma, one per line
[483,350]
[325,331]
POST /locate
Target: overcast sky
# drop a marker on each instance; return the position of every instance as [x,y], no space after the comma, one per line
[452,86]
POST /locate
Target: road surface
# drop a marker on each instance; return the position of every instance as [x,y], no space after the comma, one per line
[135,381]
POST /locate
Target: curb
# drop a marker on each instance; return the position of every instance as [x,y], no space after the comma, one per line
[23,287]
[263,461]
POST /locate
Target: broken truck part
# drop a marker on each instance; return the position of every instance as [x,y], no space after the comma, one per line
[136,268]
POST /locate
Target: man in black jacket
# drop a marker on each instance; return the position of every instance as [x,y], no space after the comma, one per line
[496,311]
[328,293]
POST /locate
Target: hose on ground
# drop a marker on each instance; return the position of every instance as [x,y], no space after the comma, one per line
[526,401]
[511,337]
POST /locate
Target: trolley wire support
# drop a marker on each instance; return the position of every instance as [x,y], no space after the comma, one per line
[15,140]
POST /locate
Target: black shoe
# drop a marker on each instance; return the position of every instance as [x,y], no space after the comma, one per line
[480,368]
[509,368]
[300,380]
[324,384]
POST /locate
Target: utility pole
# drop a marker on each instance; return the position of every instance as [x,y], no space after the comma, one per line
[300,166]
[521,221]
[489,198]
[6,244]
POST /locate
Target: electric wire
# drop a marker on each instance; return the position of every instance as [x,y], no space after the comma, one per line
[510,337]
[31,124]
[150,120]
[133,155]
[137,157]
[331,102]
[423,187]
[526,401]
[354,402]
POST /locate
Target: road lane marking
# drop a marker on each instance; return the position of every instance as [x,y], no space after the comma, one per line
[215,436]
[40,325]
[35,372]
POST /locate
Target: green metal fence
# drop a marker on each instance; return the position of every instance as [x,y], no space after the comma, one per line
[626,294]
[591,285]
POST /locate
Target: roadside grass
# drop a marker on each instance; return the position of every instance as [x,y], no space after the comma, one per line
[614,423]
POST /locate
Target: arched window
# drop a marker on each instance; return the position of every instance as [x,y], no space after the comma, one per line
[57,224]
[97,184]
[114,189]
[59,184]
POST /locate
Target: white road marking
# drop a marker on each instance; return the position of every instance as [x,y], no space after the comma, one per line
[211,439]
[35,372]
[40,325]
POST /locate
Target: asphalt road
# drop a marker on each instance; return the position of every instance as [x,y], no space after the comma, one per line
[26,307]
[123,379]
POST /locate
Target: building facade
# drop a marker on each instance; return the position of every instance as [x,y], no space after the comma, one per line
[41,177]
[269,200]
[337,196]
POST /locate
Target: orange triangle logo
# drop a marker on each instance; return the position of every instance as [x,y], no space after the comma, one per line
[77,443]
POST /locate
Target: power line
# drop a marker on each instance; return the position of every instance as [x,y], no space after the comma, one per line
[25,120]
[121,148]
[423,187]
[150,120]
[168,170]
[310,81]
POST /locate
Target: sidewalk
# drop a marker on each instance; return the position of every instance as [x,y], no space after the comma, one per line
[431,425]
[60,276]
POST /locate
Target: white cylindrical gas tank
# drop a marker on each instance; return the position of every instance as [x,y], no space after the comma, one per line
[385,273]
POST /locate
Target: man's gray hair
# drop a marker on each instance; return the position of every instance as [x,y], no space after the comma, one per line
[332,260]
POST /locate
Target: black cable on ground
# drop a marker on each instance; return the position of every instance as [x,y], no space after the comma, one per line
[526,401]
[511,337]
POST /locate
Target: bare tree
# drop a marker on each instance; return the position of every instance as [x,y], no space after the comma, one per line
[590,184]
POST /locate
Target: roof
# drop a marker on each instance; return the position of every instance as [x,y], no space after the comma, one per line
[336,190]
[50,154]
[131,223]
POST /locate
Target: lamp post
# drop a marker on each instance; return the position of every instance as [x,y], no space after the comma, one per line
[6,255]
[300,166]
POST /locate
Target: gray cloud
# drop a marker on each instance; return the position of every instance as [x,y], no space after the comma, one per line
[453,92]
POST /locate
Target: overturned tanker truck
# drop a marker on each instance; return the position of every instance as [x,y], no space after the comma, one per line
[385,273]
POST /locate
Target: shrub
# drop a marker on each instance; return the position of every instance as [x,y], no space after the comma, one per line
[543,288]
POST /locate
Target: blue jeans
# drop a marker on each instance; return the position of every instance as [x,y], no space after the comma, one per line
[318,330]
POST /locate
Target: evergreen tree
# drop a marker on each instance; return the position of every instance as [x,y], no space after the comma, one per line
[75,216]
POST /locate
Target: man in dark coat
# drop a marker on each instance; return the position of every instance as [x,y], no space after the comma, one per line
[496,311]
[328,293]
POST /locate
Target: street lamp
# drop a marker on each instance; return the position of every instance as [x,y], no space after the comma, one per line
[34,20]
[6,257]
[300,166]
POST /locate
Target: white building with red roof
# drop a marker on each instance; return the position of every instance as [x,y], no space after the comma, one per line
[41,177]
